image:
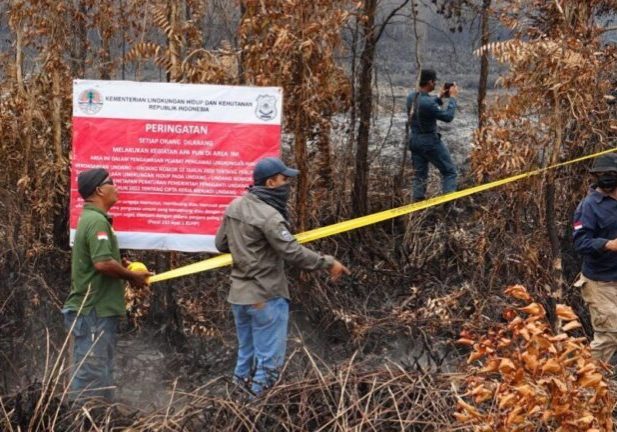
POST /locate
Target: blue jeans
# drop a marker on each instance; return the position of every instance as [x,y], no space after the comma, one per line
[262,341]
[427,148]
[94,344]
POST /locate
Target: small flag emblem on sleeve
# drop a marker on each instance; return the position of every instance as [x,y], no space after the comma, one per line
[578,225]
[102,235]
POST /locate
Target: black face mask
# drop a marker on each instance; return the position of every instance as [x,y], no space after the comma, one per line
[607,181]
[276,197]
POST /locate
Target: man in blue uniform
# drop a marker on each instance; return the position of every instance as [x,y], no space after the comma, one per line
[595,238]
[423,111]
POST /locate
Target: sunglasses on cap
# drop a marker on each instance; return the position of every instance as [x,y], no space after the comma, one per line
[107,181]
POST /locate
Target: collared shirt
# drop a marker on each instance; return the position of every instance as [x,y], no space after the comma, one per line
[260,243]
[595,223]
[429,111]
[95,241]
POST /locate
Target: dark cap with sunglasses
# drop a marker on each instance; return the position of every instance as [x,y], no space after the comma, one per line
[88,181]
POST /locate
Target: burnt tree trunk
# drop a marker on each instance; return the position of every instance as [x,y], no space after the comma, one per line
[106,29]
[175,49]
[299,131]
[325,173]
[349,148]
[558,283]
[300,126]
[237,45]
[485,39]
[80,41]
[359,203]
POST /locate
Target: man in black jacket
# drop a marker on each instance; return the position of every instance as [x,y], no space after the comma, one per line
[595,238]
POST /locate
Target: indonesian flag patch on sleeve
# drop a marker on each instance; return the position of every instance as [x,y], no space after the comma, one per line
[578,225]
[102,235]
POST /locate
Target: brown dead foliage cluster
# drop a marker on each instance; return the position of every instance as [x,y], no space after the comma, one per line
[183,55]
[433,313]
[294,44]
[526,377]
[137,303]
[554,110]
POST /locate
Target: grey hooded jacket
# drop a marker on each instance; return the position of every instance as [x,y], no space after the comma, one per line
[260,243]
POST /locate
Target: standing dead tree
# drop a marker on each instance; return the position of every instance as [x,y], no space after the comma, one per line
[457,12]
[559,72]
[371,33]
[36,106]
[183,57]
[35,119]
[292,44]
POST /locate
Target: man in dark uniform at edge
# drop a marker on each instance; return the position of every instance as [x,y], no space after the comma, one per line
[255,229]
[595,238]
[423,111]
[97,288]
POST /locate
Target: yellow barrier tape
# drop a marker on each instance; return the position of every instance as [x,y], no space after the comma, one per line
[352,224]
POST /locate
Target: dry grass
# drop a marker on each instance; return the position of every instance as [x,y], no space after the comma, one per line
[426,278]
[347,397]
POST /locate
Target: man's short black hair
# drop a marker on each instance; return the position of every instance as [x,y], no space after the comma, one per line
[427,75]
[262,181]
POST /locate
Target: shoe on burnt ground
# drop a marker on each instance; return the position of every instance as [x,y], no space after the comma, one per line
[450,210]
[240,389]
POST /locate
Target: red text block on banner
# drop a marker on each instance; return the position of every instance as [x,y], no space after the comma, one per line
[178,154]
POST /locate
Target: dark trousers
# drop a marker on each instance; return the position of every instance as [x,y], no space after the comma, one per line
[94,346]
[425,149]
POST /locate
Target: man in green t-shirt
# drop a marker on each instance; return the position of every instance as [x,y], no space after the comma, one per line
[96,301]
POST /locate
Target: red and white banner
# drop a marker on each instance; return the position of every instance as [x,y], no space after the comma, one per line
[178,154]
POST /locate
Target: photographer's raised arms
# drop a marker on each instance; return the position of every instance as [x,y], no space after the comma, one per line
[423,111]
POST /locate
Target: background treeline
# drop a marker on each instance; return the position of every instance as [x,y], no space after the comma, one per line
[344,67]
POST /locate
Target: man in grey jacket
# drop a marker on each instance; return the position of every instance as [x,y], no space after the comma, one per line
[255,229]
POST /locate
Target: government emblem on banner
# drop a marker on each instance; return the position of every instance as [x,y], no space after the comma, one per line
[181,152]
[90,101]
[266,107]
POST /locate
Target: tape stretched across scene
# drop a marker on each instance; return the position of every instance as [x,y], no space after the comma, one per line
[363,221]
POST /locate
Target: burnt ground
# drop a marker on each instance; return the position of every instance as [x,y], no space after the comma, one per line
[150,367]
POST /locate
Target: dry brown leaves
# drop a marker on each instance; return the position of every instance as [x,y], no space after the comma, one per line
[553,110]
[437,313]
[137,303]
[556,51]
[183,56]
[197,319]
[525,377]
[293,44]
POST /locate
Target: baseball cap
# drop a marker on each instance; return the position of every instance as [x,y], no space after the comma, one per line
[605,163]
[271,166]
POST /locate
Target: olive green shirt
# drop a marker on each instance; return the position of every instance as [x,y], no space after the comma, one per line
[95,241]
[260,243]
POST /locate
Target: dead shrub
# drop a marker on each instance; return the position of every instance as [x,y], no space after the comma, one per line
[526,377]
